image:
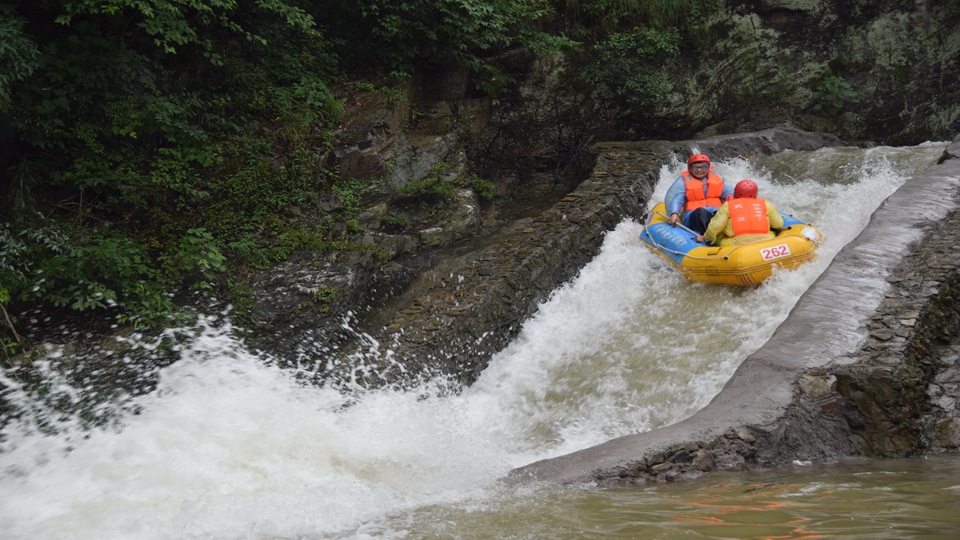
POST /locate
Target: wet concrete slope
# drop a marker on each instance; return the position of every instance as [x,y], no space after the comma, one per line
[867,363]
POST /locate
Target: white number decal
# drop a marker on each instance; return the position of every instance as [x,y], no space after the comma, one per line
[775,252]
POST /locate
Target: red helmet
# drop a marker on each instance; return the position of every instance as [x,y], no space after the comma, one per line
[745,188]
[697,157]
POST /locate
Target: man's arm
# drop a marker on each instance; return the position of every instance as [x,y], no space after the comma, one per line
[727,190]
[774,217]
[717,224]
[676,197]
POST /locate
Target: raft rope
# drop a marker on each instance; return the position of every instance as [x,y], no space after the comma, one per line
[682,254]
[725,257]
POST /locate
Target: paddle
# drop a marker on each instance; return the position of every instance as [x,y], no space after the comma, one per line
[678,224]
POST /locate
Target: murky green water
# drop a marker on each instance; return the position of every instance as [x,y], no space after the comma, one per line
[875,499]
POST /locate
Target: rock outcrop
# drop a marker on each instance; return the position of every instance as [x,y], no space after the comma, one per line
[879,70]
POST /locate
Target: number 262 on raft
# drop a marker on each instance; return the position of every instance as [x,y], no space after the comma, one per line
[775,252]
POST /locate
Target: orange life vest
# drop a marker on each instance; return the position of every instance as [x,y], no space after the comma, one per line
[695,198]
[748,216]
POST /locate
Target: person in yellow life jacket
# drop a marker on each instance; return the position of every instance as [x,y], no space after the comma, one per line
[695,196]
[745,219]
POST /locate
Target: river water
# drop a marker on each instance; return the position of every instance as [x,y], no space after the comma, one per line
[230,446]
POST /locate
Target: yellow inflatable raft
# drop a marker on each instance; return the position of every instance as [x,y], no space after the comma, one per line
[794,245]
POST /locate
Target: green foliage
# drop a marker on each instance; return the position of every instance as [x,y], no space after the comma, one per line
[612,14]
[390,95]
[431,189]
[324,298]
[198,254]
[351,190]
[84,270]
[18,53]
[143,128]
[627,69]
[46,264]
[170,24]
[9,338]
[251,198]
[394,222]
[831,94]
[399,35]
[483,188]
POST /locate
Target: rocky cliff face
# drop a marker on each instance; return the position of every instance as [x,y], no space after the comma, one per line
[865,70]
[880,70]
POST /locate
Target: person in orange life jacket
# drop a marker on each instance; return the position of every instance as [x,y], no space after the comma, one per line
[696,195]
[745,219]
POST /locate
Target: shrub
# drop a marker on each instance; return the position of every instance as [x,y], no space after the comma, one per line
[831,94]
[398,35]
[432,189]
[483,188]
[626,69]
[150,133]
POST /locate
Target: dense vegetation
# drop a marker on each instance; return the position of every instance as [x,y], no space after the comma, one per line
[151,151]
